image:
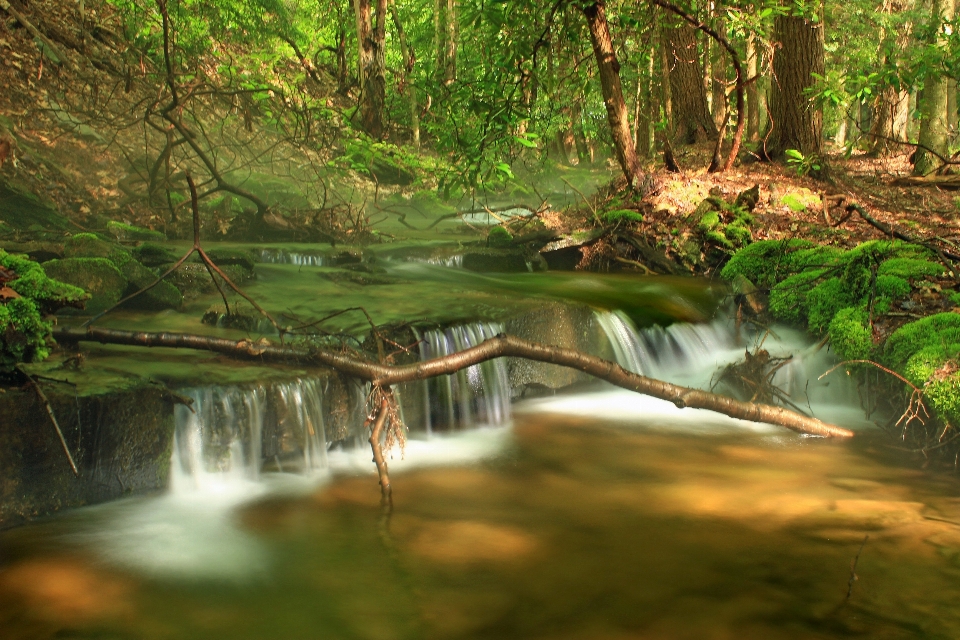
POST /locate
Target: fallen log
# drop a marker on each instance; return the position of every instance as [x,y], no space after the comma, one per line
[383,376]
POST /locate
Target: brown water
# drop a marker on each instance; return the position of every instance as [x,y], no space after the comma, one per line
[577,529]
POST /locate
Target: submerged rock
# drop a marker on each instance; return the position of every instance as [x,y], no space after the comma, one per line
[495,261]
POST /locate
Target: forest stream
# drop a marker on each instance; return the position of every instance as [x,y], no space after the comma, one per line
[594,514]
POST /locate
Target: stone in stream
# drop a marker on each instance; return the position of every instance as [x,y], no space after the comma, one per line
[97,276]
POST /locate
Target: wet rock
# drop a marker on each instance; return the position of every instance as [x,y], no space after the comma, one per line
[36,251]
[240,317]
[193,279]
[224,257]
[495,261]
[347,257]
[389,171]
[159,297]
[97,276]
[363,278]
[154,255]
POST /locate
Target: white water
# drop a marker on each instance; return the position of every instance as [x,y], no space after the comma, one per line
[478,395]
[692,355]
[282,256]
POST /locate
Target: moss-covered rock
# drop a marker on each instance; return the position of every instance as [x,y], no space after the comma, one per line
[765,263]
[24,334]
[939,333]
[33,283]
[495,261]
[499,237]
[621,216]
[788,298]
[824,301]
[124,232]
[159,297]
[97,276]
[225,257]
[850,336]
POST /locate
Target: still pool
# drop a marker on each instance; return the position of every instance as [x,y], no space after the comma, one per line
[564,525]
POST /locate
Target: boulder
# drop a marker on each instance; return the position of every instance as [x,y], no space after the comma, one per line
[97,276]
[163,296]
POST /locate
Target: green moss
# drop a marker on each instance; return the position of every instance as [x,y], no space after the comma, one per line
[788,298]
[892,287]
[709,221]
[910,268]
[935,370]
[824,301]
[499,237]
[618,216]
[738,234]
[937,332]
[849,334]
[98,276]
[130,233]
[46,293]
[154,255]
[718,238]
[24,334]
[764,263]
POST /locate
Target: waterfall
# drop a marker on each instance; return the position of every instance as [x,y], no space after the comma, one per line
[664,352]
[691,354]
[479,394]
[282,256]
[231,431]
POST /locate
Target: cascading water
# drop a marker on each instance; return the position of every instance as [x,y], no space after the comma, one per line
[479,394]
[300,259]
[693,354]
[231,431]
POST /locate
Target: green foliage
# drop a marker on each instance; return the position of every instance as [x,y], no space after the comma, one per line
[23,331]
[910,268]
[849,334]
[802,164]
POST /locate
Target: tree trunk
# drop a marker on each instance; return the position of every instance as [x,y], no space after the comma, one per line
[753,95]
[795,121]
[409,60]
[891,108]
[934,127]
[609,69]
[584,155]
[450,40]
[370,40]
[719,75]
[692,121]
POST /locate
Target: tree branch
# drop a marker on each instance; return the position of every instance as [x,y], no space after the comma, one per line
[501,346]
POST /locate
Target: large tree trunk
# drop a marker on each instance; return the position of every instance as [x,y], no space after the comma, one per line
[609,69]
[934,126]
[692,121]
[370,39]
[795,121]
[450,40]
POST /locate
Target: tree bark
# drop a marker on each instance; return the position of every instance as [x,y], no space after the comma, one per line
[891,108]
[609,69]
[381,375]
[370,41]
[409,60]
[795,121]
[692,121]
[934,127]
[450,40]
[753,95]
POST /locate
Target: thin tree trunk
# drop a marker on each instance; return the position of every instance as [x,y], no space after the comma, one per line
[753,104]
[609,69]
[450,51]
[719,77]
[891,106]
[409,60]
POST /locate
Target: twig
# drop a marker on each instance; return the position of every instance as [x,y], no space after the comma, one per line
[853,568]
[593,209]
[53,418]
